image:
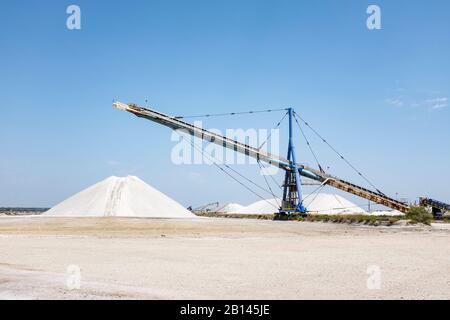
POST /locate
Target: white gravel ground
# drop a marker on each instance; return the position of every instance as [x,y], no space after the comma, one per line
[122,258]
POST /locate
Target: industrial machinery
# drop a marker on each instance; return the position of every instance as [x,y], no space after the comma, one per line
[438,208]
[209,207]
[292,196]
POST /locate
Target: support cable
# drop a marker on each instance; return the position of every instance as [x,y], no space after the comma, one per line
[338,208]
[213,161]
[339,154]
[270,134]
[272,178]
[315,191]
[308,144]
[228,114]
[268,185]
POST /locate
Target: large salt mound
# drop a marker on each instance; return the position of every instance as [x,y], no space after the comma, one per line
[124,197]
[322,203]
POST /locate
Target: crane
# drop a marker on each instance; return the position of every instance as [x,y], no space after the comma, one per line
[292,198]
[206,207]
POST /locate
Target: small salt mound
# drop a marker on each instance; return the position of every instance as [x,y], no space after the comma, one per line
[268,206]
[230,208]
[386,213]
[322,203]
[124,197]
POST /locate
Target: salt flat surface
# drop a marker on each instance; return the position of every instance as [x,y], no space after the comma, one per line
[138,258]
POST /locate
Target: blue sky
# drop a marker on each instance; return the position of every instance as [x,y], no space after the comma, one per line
[380,96]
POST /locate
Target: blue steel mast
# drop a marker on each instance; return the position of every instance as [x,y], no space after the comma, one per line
[292,192]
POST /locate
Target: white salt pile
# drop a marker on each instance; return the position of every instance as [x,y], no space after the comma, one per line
[322,203]
[124,197]
[267,206]
[386,213]
[230,208]
[329,203]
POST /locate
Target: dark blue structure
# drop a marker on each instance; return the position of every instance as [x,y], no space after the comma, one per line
[292,192]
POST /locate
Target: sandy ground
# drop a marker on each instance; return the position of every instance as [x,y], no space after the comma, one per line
[219,259]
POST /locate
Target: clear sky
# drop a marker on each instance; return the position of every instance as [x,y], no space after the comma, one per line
[379,96]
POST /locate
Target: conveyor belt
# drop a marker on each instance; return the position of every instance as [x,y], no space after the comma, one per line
[177,124]
[427,202]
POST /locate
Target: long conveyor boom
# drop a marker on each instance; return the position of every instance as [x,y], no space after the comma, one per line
[177,124]
[275,160]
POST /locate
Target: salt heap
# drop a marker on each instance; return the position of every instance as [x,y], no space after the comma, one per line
[322,203]
[267,206]
[386,213]
[330,203]
[230,208]
[124,197]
